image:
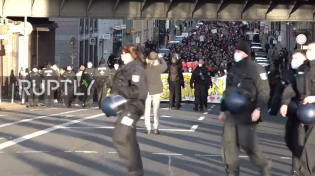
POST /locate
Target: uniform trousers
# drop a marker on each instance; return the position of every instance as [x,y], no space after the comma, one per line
[126,144]
[236,137]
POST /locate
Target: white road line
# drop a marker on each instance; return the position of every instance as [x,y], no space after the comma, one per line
[209,109]
[201,118]
[41,132]
[176,154]
[68,151]
[85,151]
[1,152]
[32,152]
[111,127]
[205,113]
[214,155]
[1,115]
[193,128]
[284,157]
[163,116]
[112,152]
[39,117]
[5,137]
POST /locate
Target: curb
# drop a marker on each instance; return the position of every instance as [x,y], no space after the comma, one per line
[12,107]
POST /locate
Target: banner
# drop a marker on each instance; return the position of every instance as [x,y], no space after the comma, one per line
[215,94]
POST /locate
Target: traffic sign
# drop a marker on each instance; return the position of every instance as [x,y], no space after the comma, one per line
[301,39]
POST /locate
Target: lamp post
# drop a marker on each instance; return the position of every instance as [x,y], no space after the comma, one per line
[72,42]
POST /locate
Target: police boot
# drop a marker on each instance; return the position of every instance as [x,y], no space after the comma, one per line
[266,171]
[294,173]
[230,173]
[201,108]
[196,108]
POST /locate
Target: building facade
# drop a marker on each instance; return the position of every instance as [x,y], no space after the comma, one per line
[97,38]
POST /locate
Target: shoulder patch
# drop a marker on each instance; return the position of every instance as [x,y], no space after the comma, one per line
[263,76]
[135,78]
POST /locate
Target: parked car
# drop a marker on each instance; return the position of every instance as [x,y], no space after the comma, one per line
[259,51]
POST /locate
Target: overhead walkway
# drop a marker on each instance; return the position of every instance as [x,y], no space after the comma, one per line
[270,10]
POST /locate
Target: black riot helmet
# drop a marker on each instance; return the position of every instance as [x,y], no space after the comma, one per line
[113,105]
[236,102]
[306,114]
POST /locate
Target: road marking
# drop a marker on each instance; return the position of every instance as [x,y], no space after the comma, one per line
[165,116]
[214,155]
[85,151]
[112,152]
[165,108]
[5,137]
[1,152]
[1,115]
[32,152]
[205,113]
[42,109]
[201,118]
[209,109]
[39,117]
[284,157]
[193,128]
[176,154]
[111,127]
[41,132]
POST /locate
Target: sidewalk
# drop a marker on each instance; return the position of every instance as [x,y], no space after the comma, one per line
[11,106]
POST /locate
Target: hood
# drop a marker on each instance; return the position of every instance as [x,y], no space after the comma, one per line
[243,46]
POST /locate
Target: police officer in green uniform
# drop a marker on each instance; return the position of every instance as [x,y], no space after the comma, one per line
[240,129]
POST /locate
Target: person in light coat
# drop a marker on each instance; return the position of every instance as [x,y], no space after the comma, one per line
[156,65]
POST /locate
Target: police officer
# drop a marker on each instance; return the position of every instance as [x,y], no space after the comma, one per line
[35,79]
[240,129]
[294,129]
[306,89]
[50,79]
[201,81]
[102,82]
[68,78]
[87,84]
[130,82]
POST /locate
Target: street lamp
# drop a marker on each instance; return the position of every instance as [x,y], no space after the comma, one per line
[72,42]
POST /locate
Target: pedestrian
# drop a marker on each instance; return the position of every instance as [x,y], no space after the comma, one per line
[200,81]
[102,81]
[294,130]
[131,83]
[35,80]
[69,78]
[87,82]
[306,89]
[156,65]
[50,81]
[176,81]
[79,86]
[240,129]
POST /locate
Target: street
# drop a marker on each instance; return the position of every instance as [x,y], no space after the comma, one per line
[77,142]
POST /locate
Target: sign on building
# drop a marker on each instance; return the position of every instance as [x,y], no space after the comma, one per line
[301,39]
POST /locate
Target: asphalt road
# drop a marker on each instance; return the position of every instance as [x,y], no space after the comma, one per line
[77,142]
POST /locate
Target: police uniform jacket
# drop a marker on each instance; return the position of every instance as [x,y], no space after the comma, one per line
[197,73]
[102,75]
[131,83]
[87,75]
[251,79]
[50,74]
[35,79]
[69,78]
[288,79]
[298,89]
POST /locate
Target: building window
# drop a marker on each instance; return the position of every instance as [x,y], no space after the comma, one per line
[275,28]
[95,25]
[91,25]
[86,25]
[81,25]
